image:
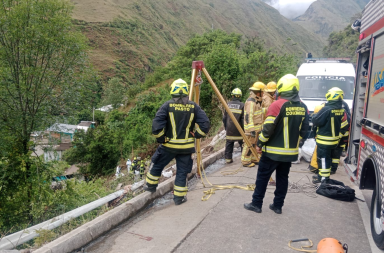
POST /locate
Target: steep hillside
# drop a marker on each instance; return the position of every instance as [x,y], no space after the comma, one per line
[134,36]
[326,16]
[342,44]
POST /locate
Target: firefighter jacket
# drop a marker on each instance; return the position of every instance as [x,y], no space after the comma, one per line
[174,123]
[286,121]
[268,99]
[332,123]
[253,114]
[237,108]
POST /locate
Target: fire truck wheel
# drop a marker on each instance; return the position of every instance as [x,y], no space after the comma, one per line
[376,224]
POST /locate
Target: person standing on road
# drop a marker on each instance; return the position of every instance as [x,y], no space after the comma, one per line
[286,121]
[173,127]
[332,124]
[253,120]
[233,135]
[337,152]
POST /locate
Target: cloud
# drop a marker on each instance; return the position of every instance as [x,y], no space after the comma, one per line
[290,8]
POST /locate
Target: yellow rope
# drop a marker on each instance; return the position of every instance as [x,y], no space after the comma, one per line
[303,248]
[214,188]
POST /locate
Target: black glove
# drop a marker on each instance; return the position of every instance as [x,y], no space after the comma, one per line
[198,135]
[253,134]
[161,139]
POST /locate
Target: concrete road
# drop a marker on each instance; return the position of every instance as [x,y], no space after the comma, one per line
[221,224]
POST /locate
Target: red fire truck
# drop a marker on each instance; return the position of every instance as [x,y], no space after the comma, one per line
[365,159]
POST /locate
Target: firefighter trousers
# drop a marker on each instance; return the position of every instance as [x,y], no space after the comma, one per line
[160,159]
[229,145]
[246,156]
[332,156]
[266,167]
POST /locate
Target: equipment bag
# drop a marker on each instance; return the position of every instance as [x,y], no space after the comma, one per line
[334,189]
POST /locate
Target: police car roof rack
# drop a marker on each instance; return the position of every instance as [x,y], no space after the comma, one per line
[327,60]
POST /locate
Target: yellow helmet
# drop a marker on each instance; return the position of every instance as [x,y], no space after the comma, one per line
[179,87]
[287,83]
[335,94]
[236,92]
[258,86]
[134,158]
[271,87]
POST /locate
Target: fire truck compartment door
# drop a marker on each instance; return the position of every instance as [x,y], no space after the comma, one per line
[376,90]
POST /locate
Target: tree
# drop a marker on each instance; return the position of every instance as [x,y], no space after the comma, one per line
[44,73]
[114,93]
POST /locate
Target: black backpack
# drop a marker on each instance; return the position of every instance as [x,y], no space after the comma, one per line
[334,189]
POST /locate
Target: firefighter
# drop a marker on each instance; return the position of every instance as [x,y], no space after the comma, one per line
[173,128]
[337,152]
[286,121]
[142,169]
[233,135]
[332,124]
[253,120]
[269,96]
[133,167]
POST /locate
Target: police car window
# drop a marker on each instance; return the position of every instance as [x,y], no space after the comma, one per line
[317,86]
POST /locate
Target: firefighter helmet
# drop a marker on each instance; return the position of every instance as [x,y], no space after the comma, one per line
[179,87]
[271,87]
[258,86]
[236,92]
[134,158]
[287,83]
[335,94]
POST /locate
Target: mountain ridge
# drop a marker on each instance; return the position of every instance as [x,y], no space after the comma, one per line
[326,16]
[136,36]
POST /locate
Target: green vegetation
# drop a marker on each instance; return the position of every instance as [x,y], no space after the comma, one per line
[326,16]
[131,38]
[231,63]
[44,76]
[342,44]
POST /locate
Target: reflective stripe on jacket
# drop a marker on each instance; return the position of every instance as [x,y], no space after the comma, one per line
[286,121]
[237,108]
[176,121]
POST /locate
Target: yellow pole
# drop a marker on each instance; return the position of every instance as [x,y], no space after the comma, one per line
[198,141]
[222,100]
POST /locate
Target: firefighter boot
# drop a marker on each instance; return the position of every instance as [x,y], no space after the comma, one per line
[275,209]
[150,188]
[252,207]
[179,200]
[316,179]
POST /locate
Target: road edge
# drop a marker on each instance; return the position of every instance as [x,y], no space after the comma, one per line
[90,231]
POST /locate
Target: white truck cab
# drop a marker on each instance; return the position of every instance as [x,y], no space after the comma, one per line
[317,76]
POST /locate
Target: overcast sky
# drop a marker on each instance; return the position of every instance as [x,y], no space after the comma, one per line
[290,8]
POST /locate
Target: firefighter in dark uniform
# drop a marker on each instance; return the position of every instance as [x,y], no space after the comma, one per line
[332,124]
[286,121]
[133,167]
[173,127]
[142,169]
[337,152]
[233,135]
